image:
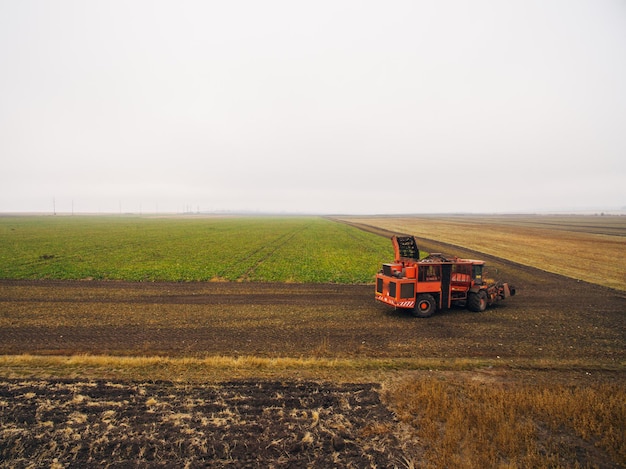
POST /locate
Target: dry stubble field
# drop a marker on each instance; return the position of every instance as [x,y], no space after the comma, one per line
[258,375]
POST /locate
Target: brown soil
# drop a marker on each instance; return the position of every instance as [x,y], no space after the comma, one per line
[260,424]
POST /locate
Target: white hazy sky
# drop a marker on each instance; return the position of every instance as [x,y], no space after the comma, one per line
[320,106]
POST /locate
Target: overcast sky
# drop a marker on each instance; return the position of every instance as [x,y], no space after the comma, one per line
[319,106]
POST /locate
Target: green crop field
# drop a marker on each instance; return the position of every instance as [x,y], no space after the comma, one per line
[286,249]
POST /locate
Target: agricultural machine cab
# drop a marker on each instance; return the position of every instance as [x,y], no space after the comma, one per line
[477,273]
[435,282]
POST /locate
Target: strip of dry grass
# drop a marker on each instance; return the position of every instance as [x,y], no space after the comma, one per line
[213,368]
[566,245]
[222,368]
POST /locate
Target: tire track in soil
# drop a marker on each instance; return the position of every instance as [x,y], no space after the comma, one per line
[269,250]
[271,246]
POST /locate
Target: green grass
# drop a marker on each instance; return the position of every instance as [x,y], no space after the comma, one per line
[287,249]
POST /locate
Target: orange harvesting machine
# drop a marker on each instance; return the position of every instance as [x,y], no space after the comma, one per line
[423,286]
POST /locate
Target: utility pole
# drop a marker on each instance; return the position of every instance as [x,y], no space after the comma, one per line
[54,206]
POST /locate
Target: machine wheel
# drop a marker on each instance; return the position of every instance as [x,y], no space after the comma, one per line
[477,302]
[424,306]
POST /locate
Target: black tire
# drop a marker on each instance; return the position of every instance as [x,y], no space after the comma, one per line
[477,302]
[424,306]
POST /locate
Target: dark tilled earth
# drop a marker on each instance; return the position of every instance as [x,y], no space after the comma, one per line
[59,423]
